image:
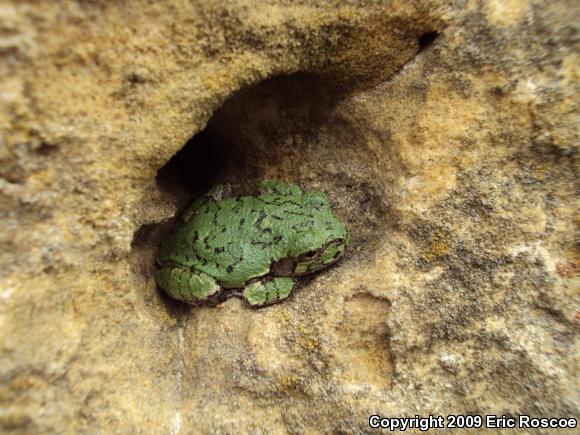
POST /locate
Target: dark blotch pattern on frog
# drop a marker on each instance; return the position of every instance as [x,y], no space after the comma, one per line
[251,246]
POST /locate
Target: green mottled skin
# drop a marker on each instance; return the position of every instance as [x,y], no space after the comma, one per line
[252,244]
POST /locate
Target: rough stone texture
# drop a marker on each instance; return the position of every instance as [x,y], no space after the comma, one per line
[445,133]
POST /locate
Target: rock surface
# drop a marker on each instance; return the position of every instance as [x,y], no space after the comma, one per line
[445,133]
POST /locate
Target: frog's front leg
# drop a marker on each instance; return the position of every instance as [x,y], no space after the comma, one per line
[268,291]
[188,285]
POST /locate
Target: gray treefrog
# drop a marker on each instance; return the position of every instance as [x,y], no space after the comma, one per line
[250,247]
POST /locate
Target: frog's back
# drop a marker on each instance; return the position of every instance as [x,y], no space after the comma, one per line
[236,239]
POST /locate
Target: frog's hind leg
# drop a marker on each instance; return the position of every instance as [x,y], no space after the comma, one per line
[188,285]
[268,292]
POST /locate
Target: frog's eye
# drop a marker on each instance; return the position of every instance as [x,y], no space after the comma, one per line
[310,255]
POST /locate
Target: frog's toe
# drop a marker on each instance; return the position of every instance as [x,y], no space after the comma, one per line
[220,192]
[189,286]
[268,292]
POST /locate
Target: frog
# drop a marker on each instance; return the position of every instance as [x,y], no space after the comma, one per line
[251,247]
